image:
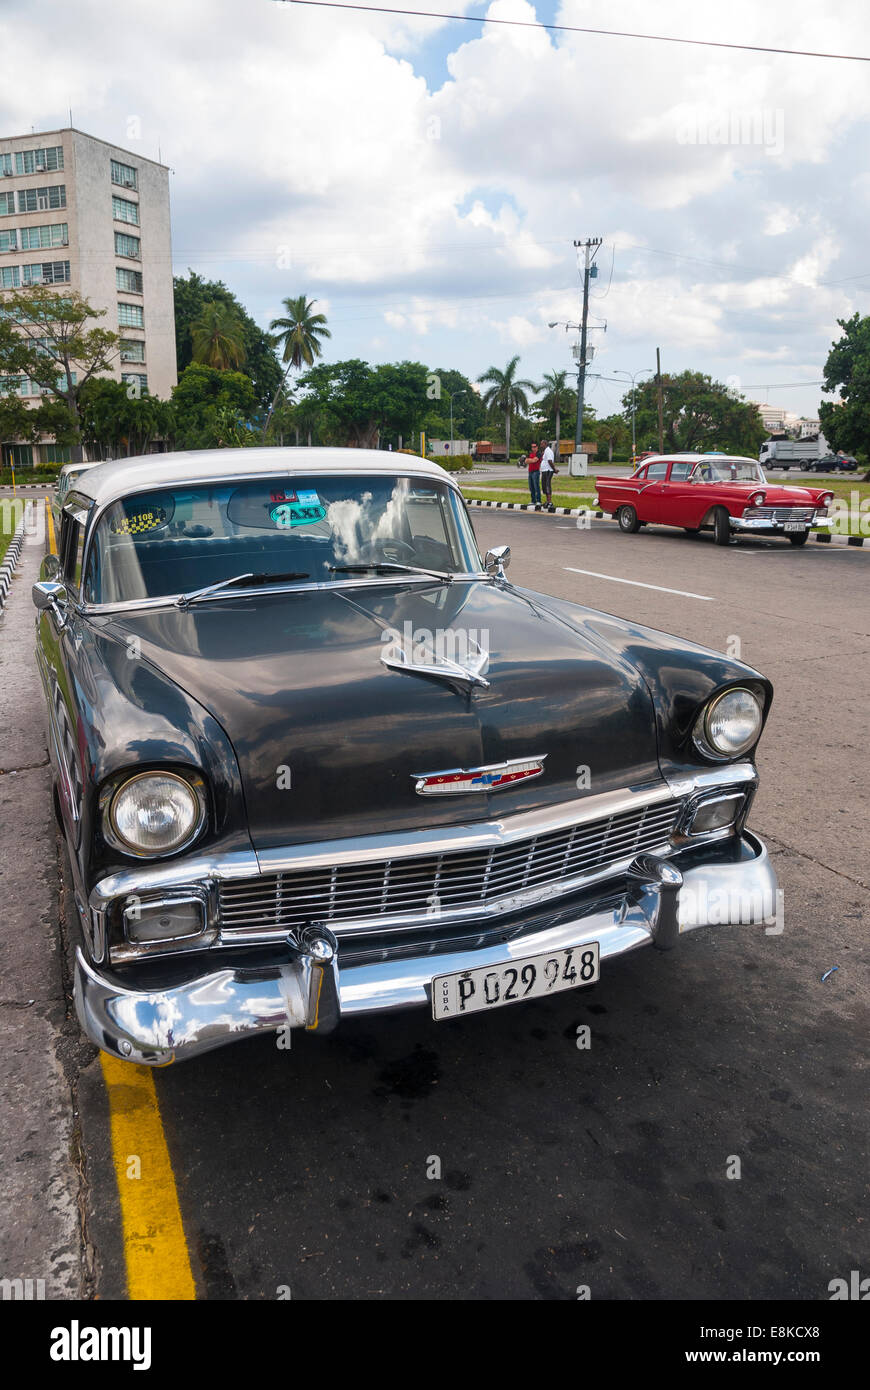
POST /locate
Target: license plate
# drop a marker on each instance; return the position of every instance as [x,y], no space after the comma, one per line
[795,526]
[489,987]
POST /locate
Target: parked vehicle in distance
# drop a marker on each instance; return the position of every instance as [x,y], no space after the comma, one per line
[67,475]
[722,493]
[834,463]
[314,758]
[792,453]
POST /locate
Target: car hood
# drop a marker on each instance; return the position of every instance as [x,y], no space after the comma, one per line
[329,740]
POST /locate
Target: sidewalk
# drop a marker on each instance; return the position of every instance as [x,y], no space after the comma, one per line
[39,1225]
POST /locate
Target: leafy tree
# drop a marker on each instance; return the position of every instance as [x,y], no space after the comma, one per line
[192,293]
[469,412]
[217,337]
[212,409]
[612,431]
[558,397]
[49,337]
[358,405]
[299,335]
[846,423]
[506,395]
[698,414]
[116,424]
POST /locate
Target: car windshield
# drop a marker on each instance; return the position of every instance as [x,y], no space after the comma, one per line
[727,470]
[185,538]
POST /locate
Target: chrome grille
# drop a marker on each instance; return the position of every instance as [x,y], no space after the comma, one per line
[784,513]
[455,883]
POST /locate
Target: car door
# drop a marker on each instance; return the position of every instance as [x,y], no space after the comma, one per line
[650,498]
[57,645]
[672,498]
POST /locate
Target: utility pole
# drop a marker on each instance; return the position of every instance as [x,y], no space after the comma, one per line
[659,394]
[588,244]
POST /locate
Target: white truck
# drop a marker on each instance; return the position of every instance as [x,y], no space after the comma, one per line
[787,453]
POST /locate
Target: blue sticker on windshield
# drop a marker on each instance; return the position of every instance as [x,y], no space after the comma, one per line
[298,513]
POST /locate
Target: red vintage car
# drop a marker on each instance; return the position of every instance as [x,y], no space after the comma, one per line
[723,493]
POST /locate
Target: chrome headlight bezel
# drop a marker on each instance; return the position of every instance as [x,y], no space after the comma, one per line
[191,781]
[702,738]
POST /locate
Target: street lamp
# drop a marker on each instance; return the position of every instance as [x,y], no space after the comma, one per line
[452,394]
[633,376]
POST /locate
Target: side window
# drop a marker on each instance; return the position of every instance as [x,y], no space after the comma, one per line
[680,470]
[67,532]
[657,470]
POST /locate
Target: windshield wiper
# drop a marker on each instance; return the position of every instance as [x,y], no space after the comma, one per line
[184,599]
[392,567]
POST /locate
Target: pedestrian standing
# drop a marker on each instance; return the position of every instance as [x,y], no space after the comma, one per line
[548,468]
[533,463]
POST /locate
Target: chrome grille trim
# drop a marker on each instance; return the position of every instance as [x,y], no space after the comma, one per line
[782,513]
[395,893]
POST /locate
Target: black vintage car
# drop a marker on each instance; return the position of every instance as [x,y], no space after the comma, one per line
[314,758]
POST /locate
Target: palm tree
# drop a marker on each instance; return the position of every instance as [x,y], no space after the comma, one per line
[506,394]
[558,394]
[300,334]
[218,337]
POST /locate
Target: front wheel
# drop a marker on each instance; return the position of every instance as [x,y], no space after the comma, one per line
[721,527]
[800,539]
[627,520]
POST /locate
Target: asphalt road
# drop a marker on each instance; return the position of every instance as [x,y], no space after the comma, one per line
[308,1170]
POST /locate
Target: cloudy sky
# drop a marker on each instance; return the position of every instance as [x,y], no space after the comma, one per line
[425,179]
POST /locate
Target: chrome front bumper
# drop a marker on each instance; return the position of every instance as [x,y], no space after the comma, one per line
[769,525]
[657,902]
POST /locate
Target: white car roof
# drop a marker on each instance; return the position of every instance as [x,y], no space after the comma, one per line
[108,482]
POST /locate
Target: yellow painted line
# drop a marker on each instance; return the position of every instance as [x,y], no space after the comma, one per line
[155,1247]
[52,543]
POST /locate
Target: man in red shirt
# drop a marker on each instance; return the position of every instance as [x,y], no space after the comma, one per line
[533,463]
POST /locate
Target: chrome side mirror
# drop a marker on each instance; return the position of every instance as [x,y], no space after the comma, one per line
[497,560]
[50,596]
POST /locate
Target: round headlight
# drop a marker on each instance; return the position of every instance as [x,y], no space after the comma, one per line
[154,813]
[730,724]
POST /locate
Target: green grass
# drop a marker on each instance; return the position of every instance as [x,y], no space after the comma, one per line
[560,499]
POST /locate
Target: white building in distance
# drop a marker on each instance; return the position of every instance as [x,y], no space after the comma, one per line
[76,211]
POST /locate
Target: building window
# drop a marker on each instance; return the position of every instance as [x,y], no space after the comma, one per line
[38,238]
[124,174]
[132,351]
[136,380]
[39,161]
[5,166]
[7,204]
[10,277]
[130,316]
[129,280]
[55,453]
[8,241]
[42,199]
[10,386]
[125,211]
[47,273]
[127,245]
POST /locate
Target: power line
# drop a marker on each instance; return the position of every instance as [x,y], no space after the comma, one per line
[577,29]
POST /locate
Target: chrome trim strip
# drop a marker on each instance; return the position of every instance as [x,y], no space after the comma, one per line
[452,838]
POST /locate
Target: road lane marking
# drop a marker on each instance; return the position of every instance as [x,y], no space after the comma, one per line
[155,1247]
[52,544]
[683,593]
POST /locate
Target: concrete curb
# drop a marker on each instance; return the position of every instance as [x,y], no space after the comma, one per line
[10,563]
[824,537]
[529,507]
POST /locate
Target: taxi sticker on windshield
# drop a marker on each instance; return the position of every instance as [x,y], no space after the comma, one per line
[137,523]
[303,512]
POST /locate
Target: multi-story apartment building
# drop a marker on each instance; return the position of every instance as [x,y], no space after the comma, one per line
[78,212]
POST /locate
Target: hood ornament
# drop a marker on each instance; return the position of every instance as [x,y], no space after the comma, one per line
[491,778]
[429,659]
